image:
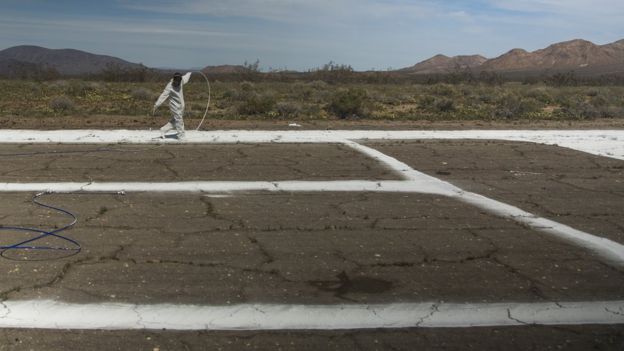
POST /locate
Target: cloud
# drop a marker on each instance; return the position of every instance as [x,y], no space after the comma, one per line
[596,13]
[121,26]
[562,7]
[289,10]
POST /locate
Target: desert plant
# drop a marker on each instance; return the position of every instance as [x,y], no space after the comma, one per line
[288,109]
[62,104]
[541,95]
[513,107]
[445,105]
[442,89]
[317,84]
[142,94]
[256,104]
[350,102]
[247,87]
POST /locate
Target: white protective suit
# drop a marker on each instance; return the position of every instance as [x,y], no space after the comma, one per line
[176,106]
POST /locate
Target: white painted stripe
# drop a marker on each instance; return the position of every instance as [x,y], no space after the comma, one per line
[611,251]
[608,143]
[48,314]
[425,186]
[405,171]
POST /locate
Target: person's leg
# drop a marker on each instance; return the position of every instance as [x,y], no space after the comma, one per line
[167,127]
[179,126]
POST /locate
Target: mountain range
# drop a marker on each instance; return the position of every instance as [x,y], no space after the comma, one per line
[581,56]
[64,61]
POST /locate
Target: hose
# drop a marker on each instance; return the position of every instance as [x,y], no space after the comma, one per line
[208,104]
[72,249]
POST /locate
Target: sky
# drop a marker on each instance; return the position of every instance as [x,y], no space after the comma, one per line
[304,34]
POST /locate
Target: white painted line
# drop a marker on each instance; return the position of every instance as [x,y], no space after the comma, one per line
[405,171]
[611,251]
[48,314]
[417,182]
[608,143]
[425,186]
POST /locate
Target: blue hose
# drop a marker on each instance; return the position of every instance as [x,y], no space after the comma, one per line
[73,246]
[71,249]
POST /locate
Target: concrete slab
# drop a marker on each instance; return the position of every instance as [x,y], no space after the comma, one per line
[160,163]
[320,248]
[574,188]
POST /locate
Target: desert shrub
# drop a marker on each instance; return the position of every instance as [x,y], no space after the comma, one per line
[599,101]
[301,90]
[485,98]
[256,104]
[288,109]
[592,92]
[349,102]
[74,87]
[35,89]
[230,94]
[142,94]
[426,102]
[513,107]
[581,109]
[442,89]
[541,95]
[62,104]
[247,87]
[59,85]
[317,84]
[93,86]
[445,105]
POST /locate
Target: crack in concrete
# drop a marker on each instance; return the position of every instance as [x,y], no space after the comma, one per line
[6,309]
[617,313]
[268,258]
[163,162]
[515,319]
[60,276]
[139,322]
[534,284]
[433,310]
[185,263]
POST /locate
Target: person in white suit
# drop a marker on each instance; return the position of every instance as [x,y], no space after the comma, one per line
[174,92]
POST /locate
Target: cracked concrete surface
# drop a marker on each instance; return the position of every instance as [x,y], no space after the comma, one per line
[299,248]
[539,179]
[91,163]
[333,248]
[580,338]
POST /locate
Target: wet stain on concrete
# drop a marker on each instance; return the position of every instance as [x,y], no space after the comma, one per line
[344,285]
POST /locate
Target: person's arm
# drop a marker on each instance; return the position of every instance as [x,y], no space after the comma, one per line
[163,96]
[186,77]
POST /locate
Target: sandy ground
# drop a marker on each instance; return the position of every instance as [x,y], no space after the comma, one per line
[150,122]
[580,338]
[316,248]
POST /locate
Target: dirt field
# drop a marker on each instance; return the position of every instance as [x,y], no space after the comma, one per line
[315,247]
[151,122]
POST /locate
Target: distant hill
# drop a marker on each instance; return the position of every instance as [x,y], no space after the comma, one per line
[570,55]
[225,69]
[63,61]
[579,55]
[444,64]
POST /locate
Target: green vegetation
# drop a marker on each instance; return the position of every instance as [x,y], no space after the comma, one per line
[320,99]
